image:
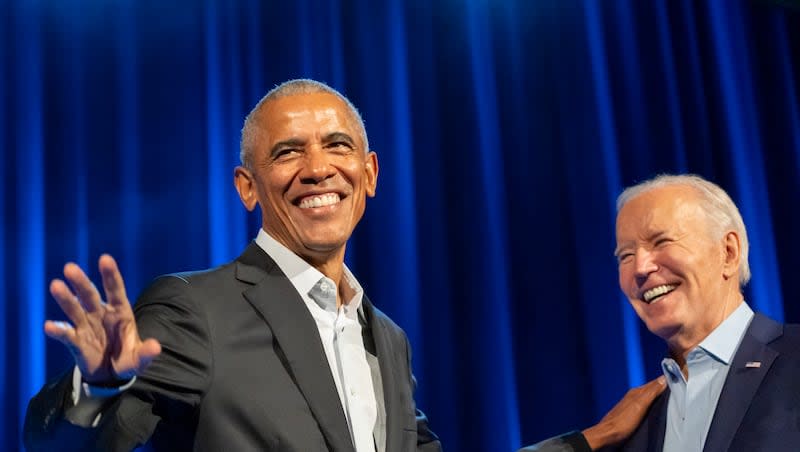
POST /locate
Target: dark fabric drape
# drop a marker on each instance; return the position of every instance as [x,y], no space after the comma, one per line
[504,129]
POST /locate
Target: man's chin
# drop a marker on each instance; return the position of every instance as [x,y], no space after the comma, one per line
[664,330]
[324,247]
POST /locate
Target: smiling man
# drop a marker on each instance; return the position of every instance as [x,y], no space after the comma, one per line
[277,350]
[732,375]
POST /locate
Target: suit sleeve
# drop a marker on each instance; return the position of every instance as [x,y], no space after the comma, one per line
[162,402]
[569,442]
[427,441]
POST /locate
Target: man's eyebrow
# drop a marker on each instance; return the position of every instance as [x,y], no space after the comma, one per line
[338,136]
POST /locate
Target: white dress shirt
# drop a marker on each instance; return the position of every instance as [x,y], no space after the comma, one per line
[340,332]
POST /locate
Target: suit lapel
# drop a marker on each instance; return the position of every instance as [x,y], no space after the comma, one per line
[386,361]
[295,331]
[657,423]
[742,381]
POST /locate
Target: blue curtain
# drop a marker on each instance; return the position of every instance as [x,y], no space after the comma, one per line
[505,129]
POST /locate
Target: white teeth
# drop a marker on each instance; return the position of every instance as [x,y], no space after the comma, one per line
[319,201]
[658,291]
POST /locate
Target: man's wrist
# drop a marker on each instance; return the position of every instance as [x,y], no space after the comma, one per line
[88,400]
[93,390]
[596,437]
[113,384]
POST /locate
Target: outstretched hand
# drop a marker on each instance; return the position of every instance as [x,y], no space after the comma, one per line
[627,414]
[102,336]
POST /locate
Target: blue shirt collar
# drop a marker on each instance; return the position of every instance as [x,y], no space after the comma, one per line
[724,340]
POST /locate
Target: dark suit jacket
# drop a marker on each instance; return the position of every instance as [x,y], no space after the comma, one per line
[242,368]
[759,407]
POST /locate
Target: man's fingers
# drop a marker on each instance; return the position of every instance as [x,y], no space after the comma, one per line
[84,289]
[112,282]
[137,360]
[68,302]
[62,332]
[641,397]
[147,352]
[655,387]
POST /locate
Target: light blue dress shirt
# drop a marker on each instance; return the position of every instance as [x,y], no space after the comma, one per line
[692,401]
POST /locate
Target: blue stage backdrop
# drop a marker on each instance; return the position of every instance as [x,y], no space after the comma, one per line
[504,128]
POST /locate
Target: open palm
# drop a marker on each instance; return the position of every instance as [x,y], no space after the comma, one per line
[102,336]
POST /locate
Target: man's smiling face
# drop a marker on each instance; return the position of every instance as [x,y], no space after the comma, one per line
[310,173]
[671,265]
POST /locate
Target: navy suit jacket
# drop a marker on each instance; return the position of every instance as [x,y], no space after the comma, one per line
[759,407]
[242,368]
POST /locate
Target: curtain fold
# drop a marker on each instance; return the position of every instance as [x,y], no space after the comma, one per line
[504,132]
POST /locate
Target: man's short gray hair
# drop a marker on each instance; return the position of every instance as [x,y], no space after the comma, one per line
[251,129]
[722,213]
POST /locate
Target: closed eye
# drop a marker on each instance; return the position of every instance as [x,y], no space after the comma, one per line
[339,146]
[662,241]
[338,142]
[286,148]
[624,257]
[284,153]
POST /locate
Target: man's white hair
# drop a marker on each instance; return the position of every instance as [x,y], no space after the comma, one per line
[722,213]
[251,129]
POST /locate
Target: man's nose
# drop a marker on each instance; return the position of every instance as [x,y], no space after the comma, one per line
[644,264]
[317,166]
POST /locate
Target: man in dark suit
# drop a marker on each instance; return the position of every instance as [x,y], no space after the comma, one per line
[732,374]
[277,350]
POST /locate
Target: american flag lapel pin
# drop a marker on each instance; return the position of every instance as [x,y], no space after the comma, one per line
[753,364]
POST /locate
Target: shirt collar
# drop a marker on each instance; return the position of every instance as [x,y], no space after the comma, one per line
[720,345]
[724,340]
[300,273]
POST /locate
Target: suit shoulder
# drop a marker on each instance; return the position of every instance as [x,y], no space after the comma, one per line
[792,329]
[791,334]
[194,277]
[786,340]
[175,287]
[200,277]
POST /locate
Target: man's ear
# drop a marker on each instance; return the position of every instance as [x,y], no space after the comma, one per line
[371,172]
[246,187]
[733,253]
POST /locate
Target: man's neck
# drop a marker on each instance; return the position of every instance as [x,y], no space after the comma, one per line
[682,344]
[327,263]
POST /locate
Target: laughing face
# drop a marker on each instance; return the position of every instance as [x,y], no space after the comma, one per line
[679,277]
[310,174]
